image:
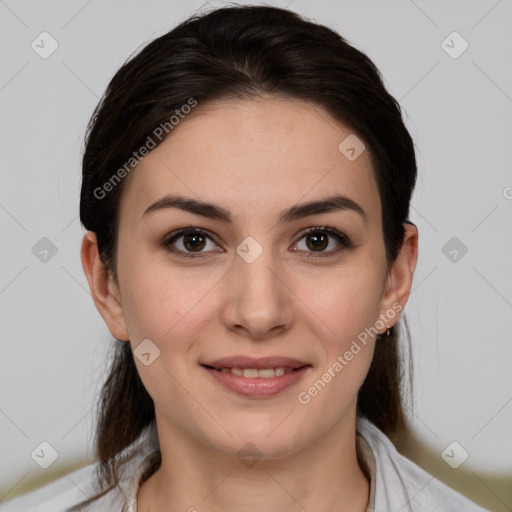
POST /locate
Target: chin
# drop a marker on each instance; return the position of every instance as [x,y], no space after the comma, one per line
[273,442]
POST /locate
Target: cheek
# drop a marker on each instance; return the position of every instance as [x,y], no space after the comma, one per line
[346,301]
[348,307]
[172,316]
[158,299]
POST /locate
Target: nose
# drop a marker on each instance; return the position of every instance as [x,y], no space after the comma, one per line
[258,302]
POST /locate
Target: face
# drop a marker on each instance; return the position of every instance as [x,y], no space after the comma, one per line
[308,285]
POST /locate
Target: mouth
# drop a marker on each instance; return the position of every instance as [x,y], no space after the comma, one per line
[262,382]
[255,373]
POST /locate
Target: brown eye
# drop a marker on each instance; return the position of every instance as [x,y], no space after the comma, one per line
[194,242]
[317,241]
[190,243]
[323,242]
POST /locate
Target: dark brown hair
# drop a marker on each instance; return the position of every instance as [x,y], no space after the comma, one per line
[240,52]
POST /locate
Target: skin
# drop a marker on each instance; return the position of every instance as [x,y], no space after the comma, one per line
[283,303]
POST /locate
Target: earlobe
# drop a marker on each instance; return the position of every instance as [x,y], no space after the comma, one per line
[399,280]
[104,290]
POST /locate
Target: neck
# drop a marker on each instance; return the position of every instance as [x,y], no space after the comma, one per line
[192,477]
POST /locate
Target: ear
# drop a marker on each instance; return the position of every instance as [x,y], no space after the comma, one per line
[105,292]
[400,276]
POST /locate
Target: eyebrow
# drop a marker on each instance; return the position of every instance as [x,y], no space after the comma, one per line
[326,205]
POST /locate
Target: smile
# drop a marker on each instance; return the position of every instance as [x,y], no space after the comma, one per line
[257,382]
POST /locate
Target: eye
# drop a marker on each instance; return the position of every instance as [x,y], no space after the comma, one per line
[318,242]
[324,241]
[189,242]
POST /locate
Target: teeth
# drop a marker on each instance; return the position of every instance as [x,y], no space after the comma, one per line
[266,373]
[252,373]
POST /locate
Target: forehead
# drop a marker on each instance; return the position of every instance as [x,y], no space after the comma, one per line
[254,157]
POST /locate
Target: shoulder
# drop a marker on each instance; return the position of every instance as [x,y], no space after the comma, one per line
[402,485]
[75,487]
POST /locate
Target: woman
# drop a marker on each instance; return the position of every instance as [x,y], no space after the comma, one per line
[246,188]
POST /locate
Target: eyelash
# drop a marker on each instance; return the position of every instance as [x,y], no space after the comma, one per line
[343,240]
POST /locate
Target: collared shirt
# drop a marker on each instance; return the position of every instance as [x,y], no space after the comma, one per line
[396,483]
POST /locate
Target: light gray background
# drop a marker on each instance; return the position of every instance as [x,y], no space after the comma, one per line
[459,112]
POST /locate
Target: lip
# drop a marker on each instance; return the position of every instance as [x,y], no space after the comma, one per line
[257,387]
[256,362]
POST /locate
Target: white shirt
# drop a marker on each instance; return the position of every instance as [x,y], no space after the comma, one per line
[396,483]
